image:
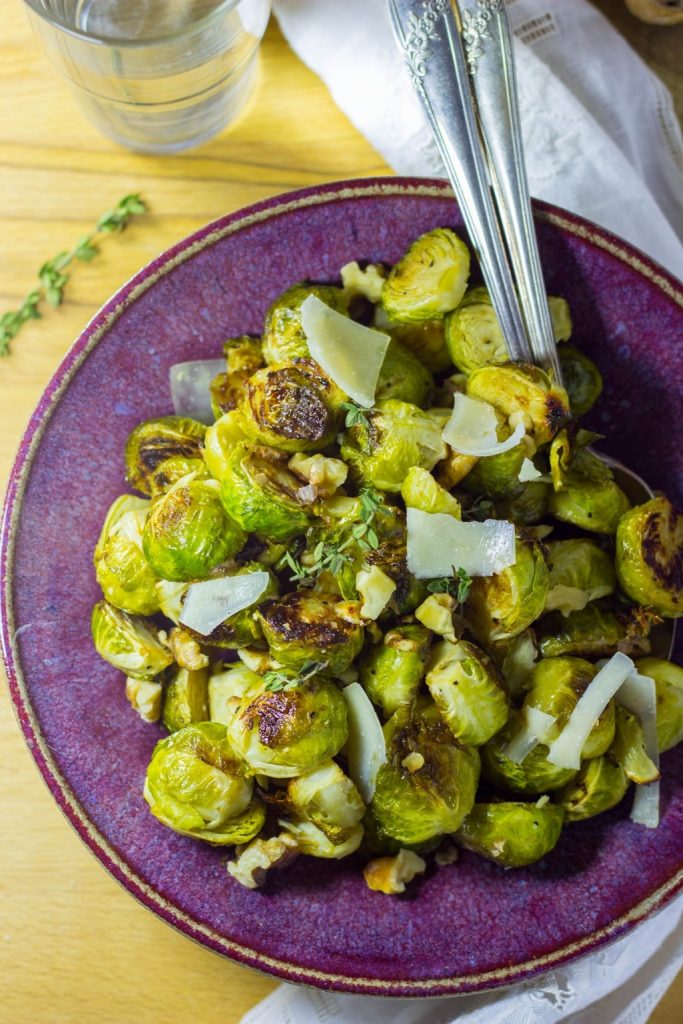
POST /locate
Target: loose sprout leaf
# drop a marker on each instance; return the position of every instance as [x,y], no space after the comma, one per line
[639,695]
[351,354]
[472,428]
[437,541]
[213,601]
[533,731]
[565,752]
[190,384]
[528,472]
[366,750]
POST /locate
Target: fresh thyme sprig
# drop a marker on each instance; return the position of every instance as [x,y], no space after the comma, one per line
[52,275]
[275,680]
[355,416]
[480,509]
[458,585]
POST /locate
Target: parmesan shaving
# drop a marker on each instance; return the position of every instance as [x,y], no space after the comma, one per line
[639,695]
[366,750]
[472,428]
[536,727]
[528,472]
[213,601]
[437,543]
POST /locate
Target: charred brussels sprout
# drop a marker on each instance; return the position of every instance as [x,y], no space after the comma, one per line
[283,335]
[307,626]
[188,532]
[649,556]
[593,632]
[128,642]
[220,441]
[412,807]
[582,379]
[173,440]
[425,340]
[467,690]
[524,391]
[259,492]
[555,687]
[420,490]
[391,672]
[292,407]
[528,507]
[600,784]
[669,685]
[579,572]
[512,834]
[186,699]
[287,732]
[227,685]
[244,357]
[403,377]
[430,279]
[533,776]
[197,786]
[328,799]
[628,748]
[501,606]
[584,491]
[121,568]
[397,436]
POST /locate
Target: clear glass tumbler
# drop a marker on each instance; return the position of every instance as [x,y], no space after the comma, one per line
[157,76]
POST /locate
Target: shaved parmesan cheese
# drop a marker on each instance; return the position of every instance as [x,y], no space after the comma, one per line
[366,750]
[376,590]
[528,472]
[472,428]
[536,727]
[639,695]
[213,601]
[349,353]
[565,752]
[437,543]
[190,388]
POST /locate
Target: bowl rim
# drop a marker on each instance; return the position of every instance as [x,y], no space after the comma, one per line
[113,861]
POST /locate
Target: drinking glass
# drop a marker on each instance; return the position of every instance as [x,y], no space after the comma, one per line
[156,76]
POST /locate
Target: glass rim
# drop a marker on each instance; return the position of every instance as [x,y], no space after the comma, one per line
[121,43]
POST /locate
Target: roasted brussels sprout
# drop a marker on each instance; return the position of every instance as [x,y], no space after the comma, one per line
[186,699]
[501,606]
[391,672]
[528,507]
[197,786]
[307,626]
[466,688]
[420,490]
[293,407]
[585,493]
[512,834]
[259,492]
[227,685]
[328,799]
[287,732]
[628,748]
[430,279]
[397,436]
[425,340]
[283,336]
[524,391]
[600,784]
[220,440]
[497,476]
[121,568]
[244,357]
[413,806]
[533,776]
[581,377]
[555,686]
[649,556]
[155,442]
[128,642]
[669,686]
[593,632]
[312,840]
[403,377]
[579,572]
[188,532]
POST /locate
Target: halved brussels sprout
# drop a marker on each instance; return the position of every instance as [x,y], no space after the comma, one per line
[197,786]
[501,606]
[524,391]
[466,688]
[497,476]
[259,492]
[390,556]
[244,356]
[187,531]
[628,748]
[186,699]
[312,840]
[293,407]
[128,642]
[593,632]
[534,775]
[391,672]
[669,685]
[425,340]
[528,507]
[581,377]
[306,626]
[227,685]
[512,834]
[555,687]
[585,493]
[649,556]
[600,784]
[413,806]
[283,336]
[328,799]
[121,568]
[241,629]
[155,442]
[397,436]
[516,658]
[287,732]
[579,572]
[403,377]
[220,440]
[430,279]
[420,490]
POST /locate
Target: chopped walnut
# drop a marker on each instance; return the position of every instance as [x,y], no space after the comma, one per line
[186,651]
[436,613]
[323,475]
[376,590]
[391,874]
[257,858]
[367,283]
[145,698]
[257,661]
[413,761]
[446,855]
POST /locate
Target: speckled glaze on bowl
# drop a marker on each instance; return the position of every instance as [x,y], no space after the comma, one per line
[466,927]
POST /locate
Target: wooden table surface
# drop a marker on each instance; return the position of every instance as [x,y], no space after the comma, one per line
[73,945]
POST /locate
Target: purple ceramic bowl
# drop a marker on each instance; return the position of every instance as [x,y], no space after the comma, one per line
[463,928]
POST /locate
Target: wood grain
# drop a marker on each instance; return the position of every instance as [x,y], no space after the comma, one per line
[74,947]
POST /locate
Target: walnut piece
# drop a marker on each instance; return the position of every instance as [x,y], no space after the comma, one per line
[145,698]
[186,651]
[368,282]
[391,874]
[256,859]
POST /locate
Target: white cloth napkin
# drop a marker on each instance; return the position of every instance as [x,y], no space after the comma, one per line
[601,139]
